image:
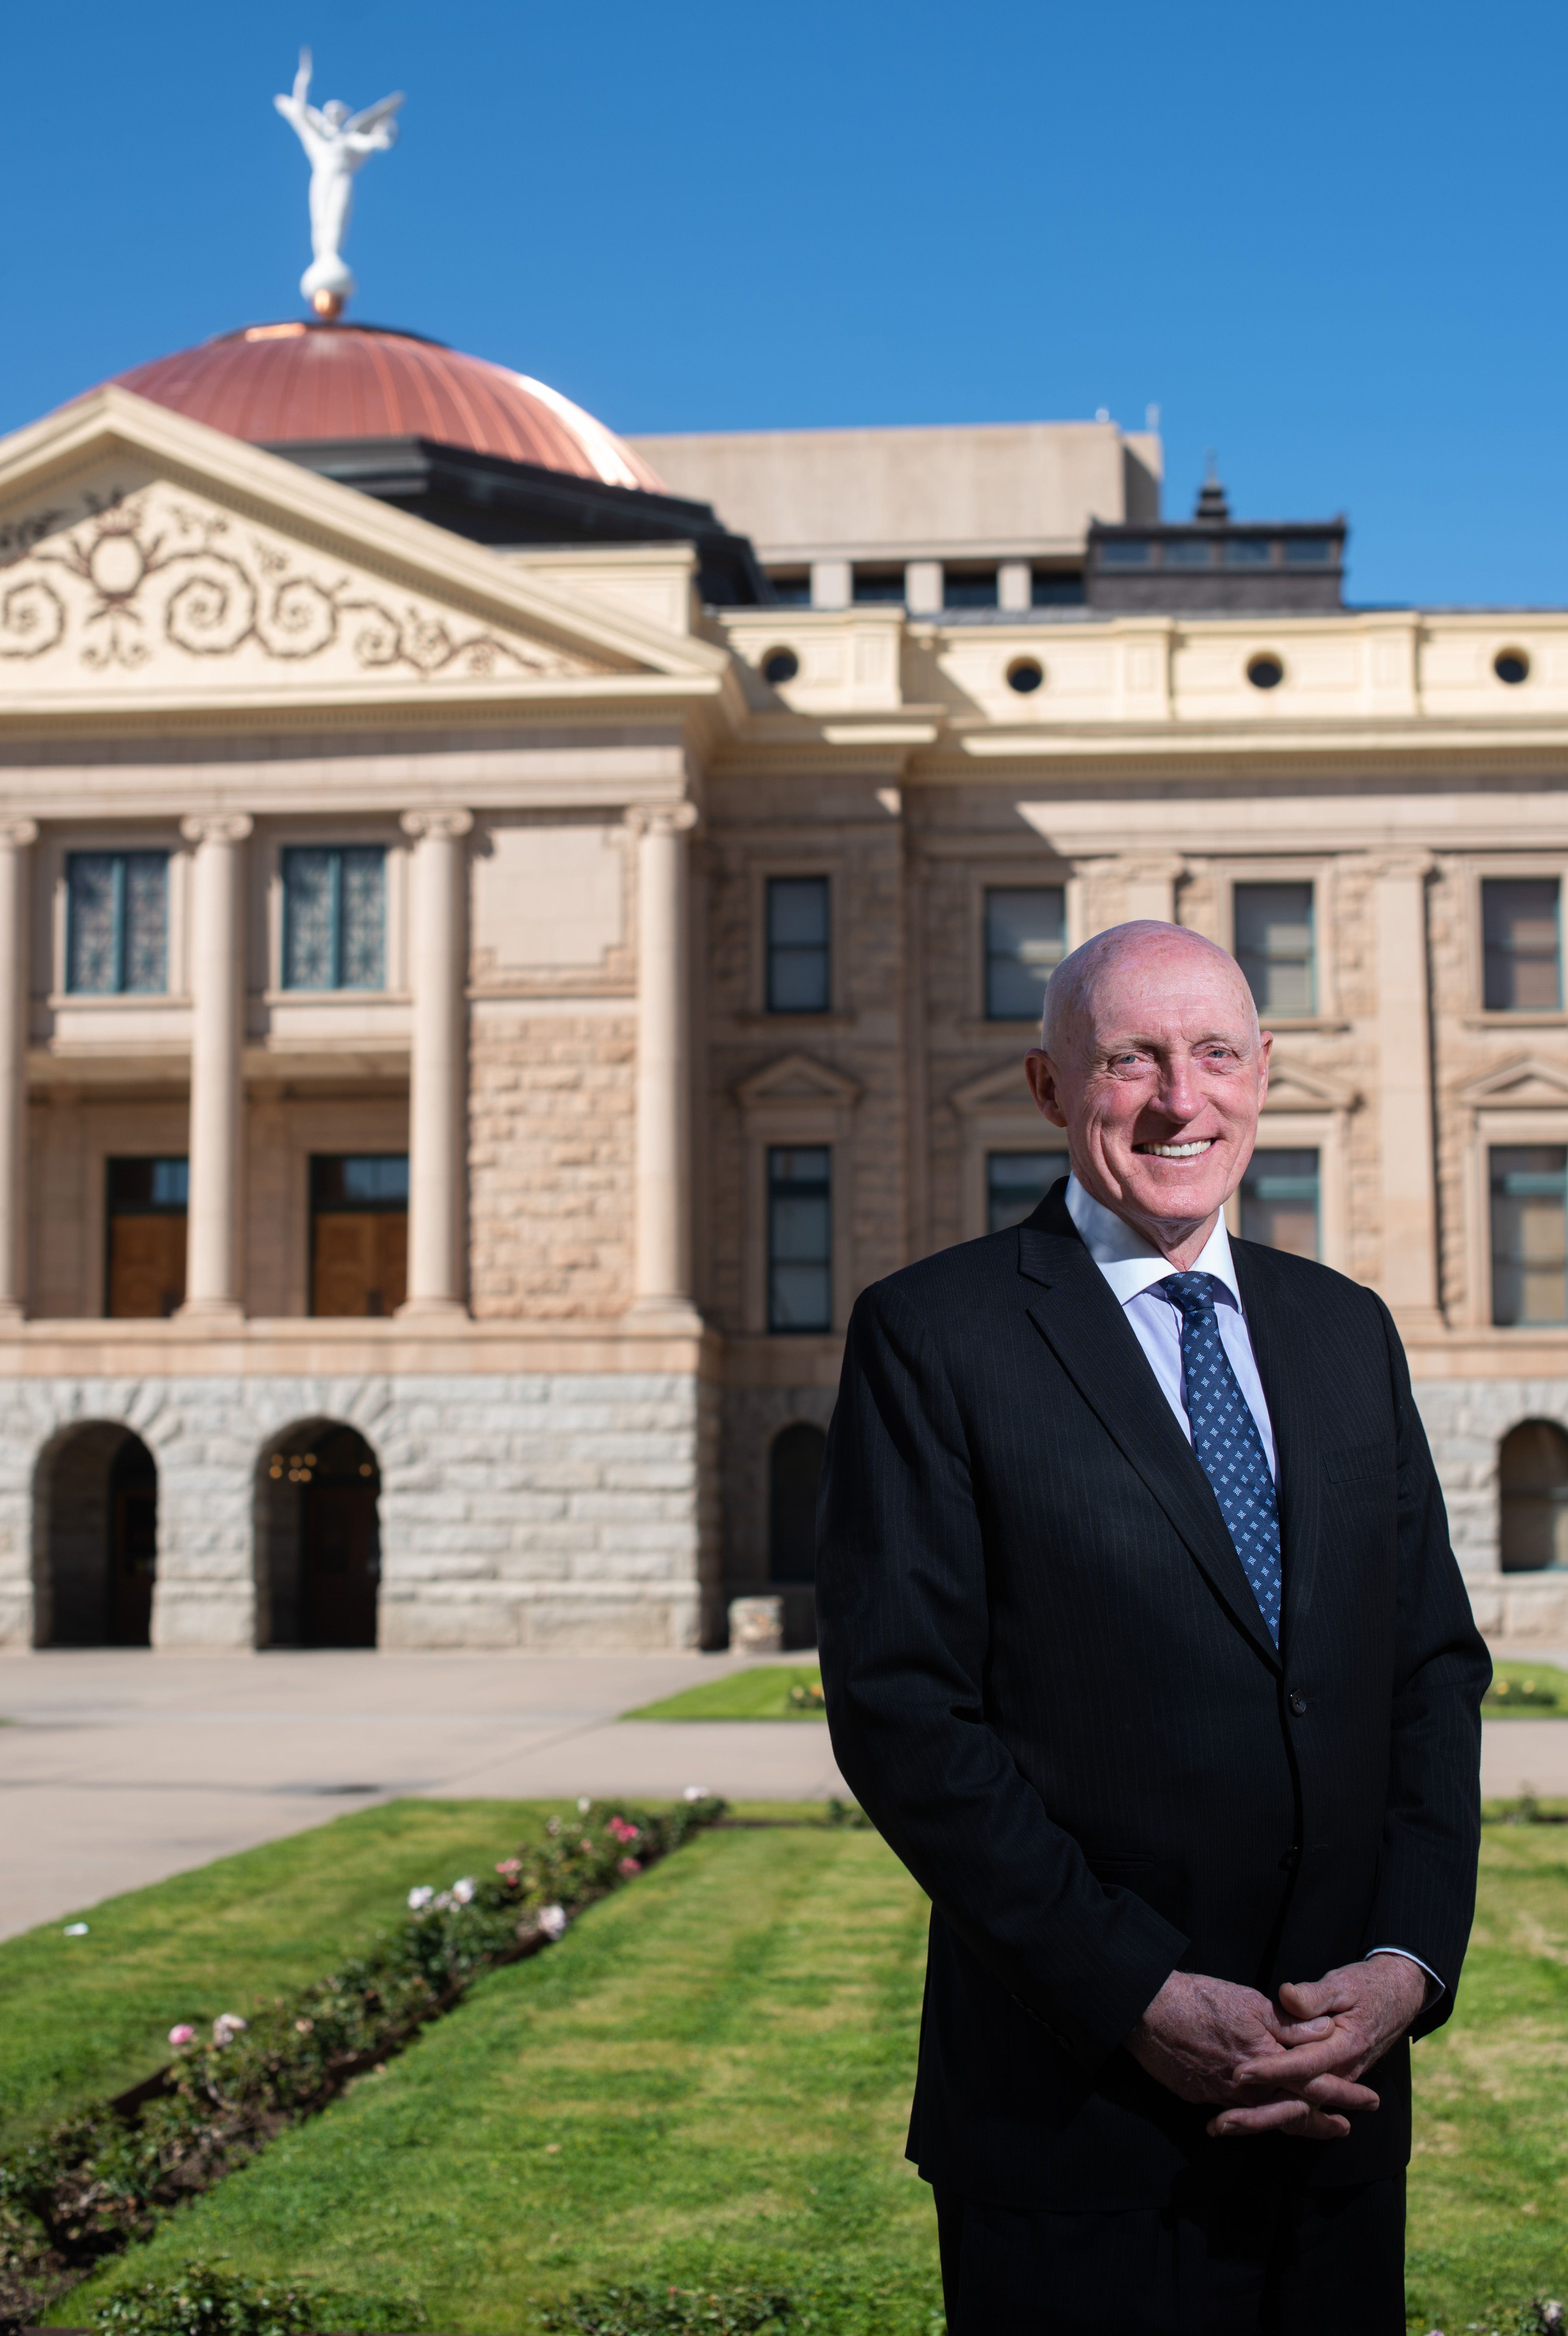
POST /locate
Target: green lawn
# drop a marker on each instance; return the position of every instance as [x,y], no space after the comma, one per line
[709,2078]
[80,2018]
[1489,2182]
[761,1693]
[1537,1680]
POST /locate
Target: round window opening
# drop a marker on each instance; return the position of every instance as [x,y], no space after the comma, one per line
[780,665]
[1025,675]
[1265,672]
[1510,666]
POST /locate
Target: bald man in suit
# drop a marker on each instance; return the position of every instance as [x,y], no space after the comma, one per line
[1145,1650]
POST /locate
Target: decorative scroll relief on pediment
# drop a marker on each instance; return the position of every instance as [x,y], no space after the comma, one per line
[157,583]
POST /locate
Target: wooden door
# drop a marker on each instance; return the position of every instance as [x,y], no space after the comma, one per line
[146,1265]
[361,1261]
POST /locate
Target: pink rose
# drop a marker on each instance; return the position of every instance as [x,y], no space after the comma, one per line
[182,2036]
[630,1865]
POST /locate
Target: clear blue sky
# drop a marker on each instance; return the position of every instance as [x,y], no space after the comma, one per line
[1328,241]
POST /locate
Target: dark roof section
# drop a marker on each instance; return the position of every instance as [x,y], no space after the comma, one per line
[503,503]
[1212,566]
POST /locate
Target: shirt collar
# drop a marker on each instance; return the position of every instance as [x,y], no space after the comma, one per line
[1130,1263]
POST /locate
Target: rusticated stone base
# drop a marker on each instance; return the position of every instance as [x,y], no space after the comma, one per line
[556,1510]
[1465,1422]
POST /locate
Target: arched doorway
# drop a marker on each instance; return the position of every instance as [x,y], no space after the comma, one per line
[795,1466]
[318,1538]
[95,1532]
[1533,1482]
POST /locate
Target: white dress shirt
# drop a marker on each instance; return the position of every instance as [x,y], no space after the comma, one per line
[1134,1269]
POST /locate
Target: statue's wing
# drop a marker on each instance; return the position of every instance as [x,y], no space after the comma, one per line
[381,111]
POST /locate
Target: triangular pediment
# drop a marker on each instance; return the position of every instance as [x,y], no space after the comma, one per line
[1004,1086]
[796,1079]
[146,558]
[1518,1084]
[1290,1088]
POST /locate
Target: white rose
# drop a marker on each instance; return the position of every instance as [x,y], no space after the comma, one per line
[418,1900]
[552,1922]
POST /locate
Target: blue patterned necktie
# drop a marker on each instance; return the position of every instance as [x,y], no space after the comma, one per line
[1226,1440]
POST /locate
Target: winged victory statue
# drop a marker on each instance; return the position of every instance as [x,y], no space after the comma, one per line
[337,144]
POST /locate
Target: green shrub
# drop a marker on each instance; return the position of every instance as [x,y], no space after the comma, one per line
[206,2300]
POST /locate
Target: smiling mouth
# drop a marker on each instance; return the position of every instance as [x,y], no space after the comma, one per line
[1177,1151]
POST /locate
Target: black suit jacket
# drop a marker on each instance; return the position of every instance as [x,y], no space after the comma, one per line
[1049,1685]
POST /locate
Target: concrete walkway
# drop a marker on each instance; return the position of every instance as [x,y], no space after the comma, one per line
[122,1767]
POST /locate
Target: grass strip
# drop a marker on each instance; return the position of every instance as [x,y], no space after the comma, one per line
[762,1692]
[1526,1692]
[706,2085]
[81,2018]
[1489,2209]
[102,2177]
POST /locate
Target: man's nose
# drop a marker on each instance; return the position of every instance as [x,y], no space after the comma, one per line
[1180,1095]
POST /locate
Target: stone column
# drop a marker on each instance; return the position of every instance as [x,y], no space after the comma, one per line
[661,1276]
[1151,889]
[17,840]
[438,1066]
[1408,1281]
[213,1268]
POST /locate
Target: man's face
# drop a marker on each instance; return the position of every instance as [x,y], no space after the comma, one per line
[1159,1082]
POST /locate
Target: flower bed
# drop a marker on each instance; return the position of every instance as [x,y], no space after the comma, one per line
[102,2178]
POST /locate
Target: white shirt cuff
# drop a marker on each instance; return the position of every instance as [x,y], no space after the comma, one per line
[1435,1987]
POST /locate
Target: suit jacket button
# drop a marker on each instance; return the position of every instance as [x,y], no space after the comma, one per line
[1298,1703]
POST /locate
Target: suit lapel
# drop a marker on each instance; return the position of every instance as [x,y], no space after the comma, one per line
[1281,1342]
[1075,1311]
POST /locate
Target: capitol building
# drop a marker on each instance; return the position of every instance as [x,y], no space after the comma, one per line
[505,928]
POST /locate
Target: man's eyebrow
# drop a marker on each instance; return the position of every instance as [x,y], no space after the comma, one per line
[1143,1038]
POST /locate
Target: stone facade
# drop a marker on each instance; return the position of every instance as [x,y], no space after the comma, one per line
[546,1510]
[578,784]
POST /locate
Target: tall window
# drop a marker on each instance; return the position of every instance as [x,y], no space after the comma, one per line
[1016,1184]
[117,922]
[335,917]
[1026,939]
[1521,935]
[144,1258]
[799,967]
[799,1238]
[1280,1201]
[358,1232]
[1275,946]
[1530,1233]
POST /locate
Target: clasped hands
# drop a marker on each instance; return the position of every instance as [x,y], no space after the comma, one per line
[1291,2071]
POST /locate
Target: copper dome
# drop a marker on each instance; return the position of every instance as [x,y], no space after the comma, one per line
[282,385]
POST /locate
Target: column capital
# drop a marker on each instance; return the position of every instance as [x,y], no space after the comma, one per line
[1400,864]
[436,822]
[217,827]
[17,834]
[662,819]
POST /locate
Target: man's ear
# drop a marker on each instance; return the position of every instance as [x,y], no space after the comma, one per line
[1040,1072]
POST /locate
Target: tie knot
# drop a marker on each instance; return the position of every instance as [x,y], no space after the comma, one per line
[1194,1293]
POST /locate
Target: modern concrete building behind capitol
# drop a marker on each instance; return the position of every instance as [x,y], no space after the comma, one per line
[503,932]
